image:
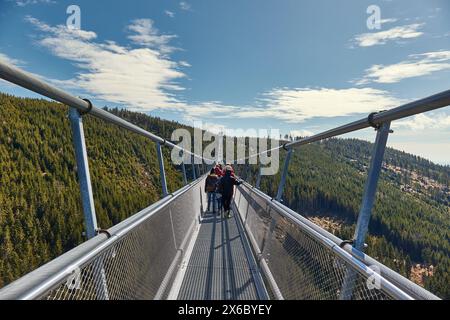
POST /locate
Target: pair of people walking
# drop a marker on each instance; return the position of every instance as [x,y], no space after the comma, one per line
[221,188]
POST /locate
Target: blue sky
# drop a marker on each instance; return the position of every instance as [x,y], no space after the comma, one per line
[299,66]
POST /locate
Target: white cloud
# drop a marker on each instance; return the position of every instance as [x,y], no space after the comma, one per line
[146,35]
[185,6]
[300,133]
[184,64]
[144,78]
[433,56]
[382,37]
[418,65]
[15,62]
[9,60]
[424,122]
[438,152]
[389,20]
[299,104]
[212,109]
[140,78]
[23,3]
[62,31]
[169,13]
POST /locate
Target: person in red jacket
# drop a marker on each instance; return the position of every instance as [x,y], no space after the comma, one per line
[218,170]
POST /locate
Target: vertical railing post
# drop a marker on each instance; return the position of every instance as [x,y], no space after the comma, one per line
[184,173]
[371,186]
[246,171]
[194,175]
[368,200]
[162,171]
[87,197]
[284,175]
[258,179]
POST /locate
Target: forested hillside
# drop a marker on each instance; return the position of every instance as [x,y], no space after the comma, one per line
[410,227]
[40,210]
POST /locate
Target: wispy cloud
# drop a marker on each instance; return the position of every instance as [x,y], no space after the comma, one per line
[417,65]
[141,78]
[146,35]
[23,3]
[300,104]
[210,109]
[301,133]
[15,62]
[184,64]
[63,31]
[388,20]
[397,33]
[5,58]
[295,105]
[424,122]
[185,6]
[169,13]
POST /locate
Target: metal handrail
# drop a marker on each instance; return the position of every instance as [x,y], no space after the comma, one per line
[430,103]
[31,82]
[437,101]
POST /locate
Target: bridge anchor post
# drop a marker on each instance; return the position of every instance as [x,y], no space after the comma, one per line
[194,175]
[368,200]
[284,175]
[246,170]
[162,170]
[258,179]
[87,198]
[184,173]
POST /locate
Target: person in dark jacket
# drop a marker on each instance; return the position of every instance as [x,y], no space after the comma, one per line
[232,170]
[210,189]
[226,188]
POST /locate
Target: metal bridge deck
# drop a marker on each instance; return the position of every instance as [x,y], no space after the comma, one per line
[219,268]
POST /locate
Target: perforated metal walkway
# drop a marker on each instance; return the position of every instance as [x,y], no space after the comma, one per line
[221,266]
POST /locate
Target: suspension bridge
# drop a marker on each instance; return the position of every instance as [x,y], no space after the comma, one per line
[175,249]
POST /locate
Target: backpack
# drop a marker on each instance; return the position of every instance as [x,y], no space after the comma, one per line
[211,183]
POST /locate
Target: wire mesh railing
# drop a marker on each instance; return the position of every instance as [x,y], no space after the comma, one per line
[301,263]
[136,259]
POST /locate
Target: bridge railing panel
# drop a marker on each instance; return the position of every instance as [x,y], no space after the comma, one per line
[300,263]
[136,259]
